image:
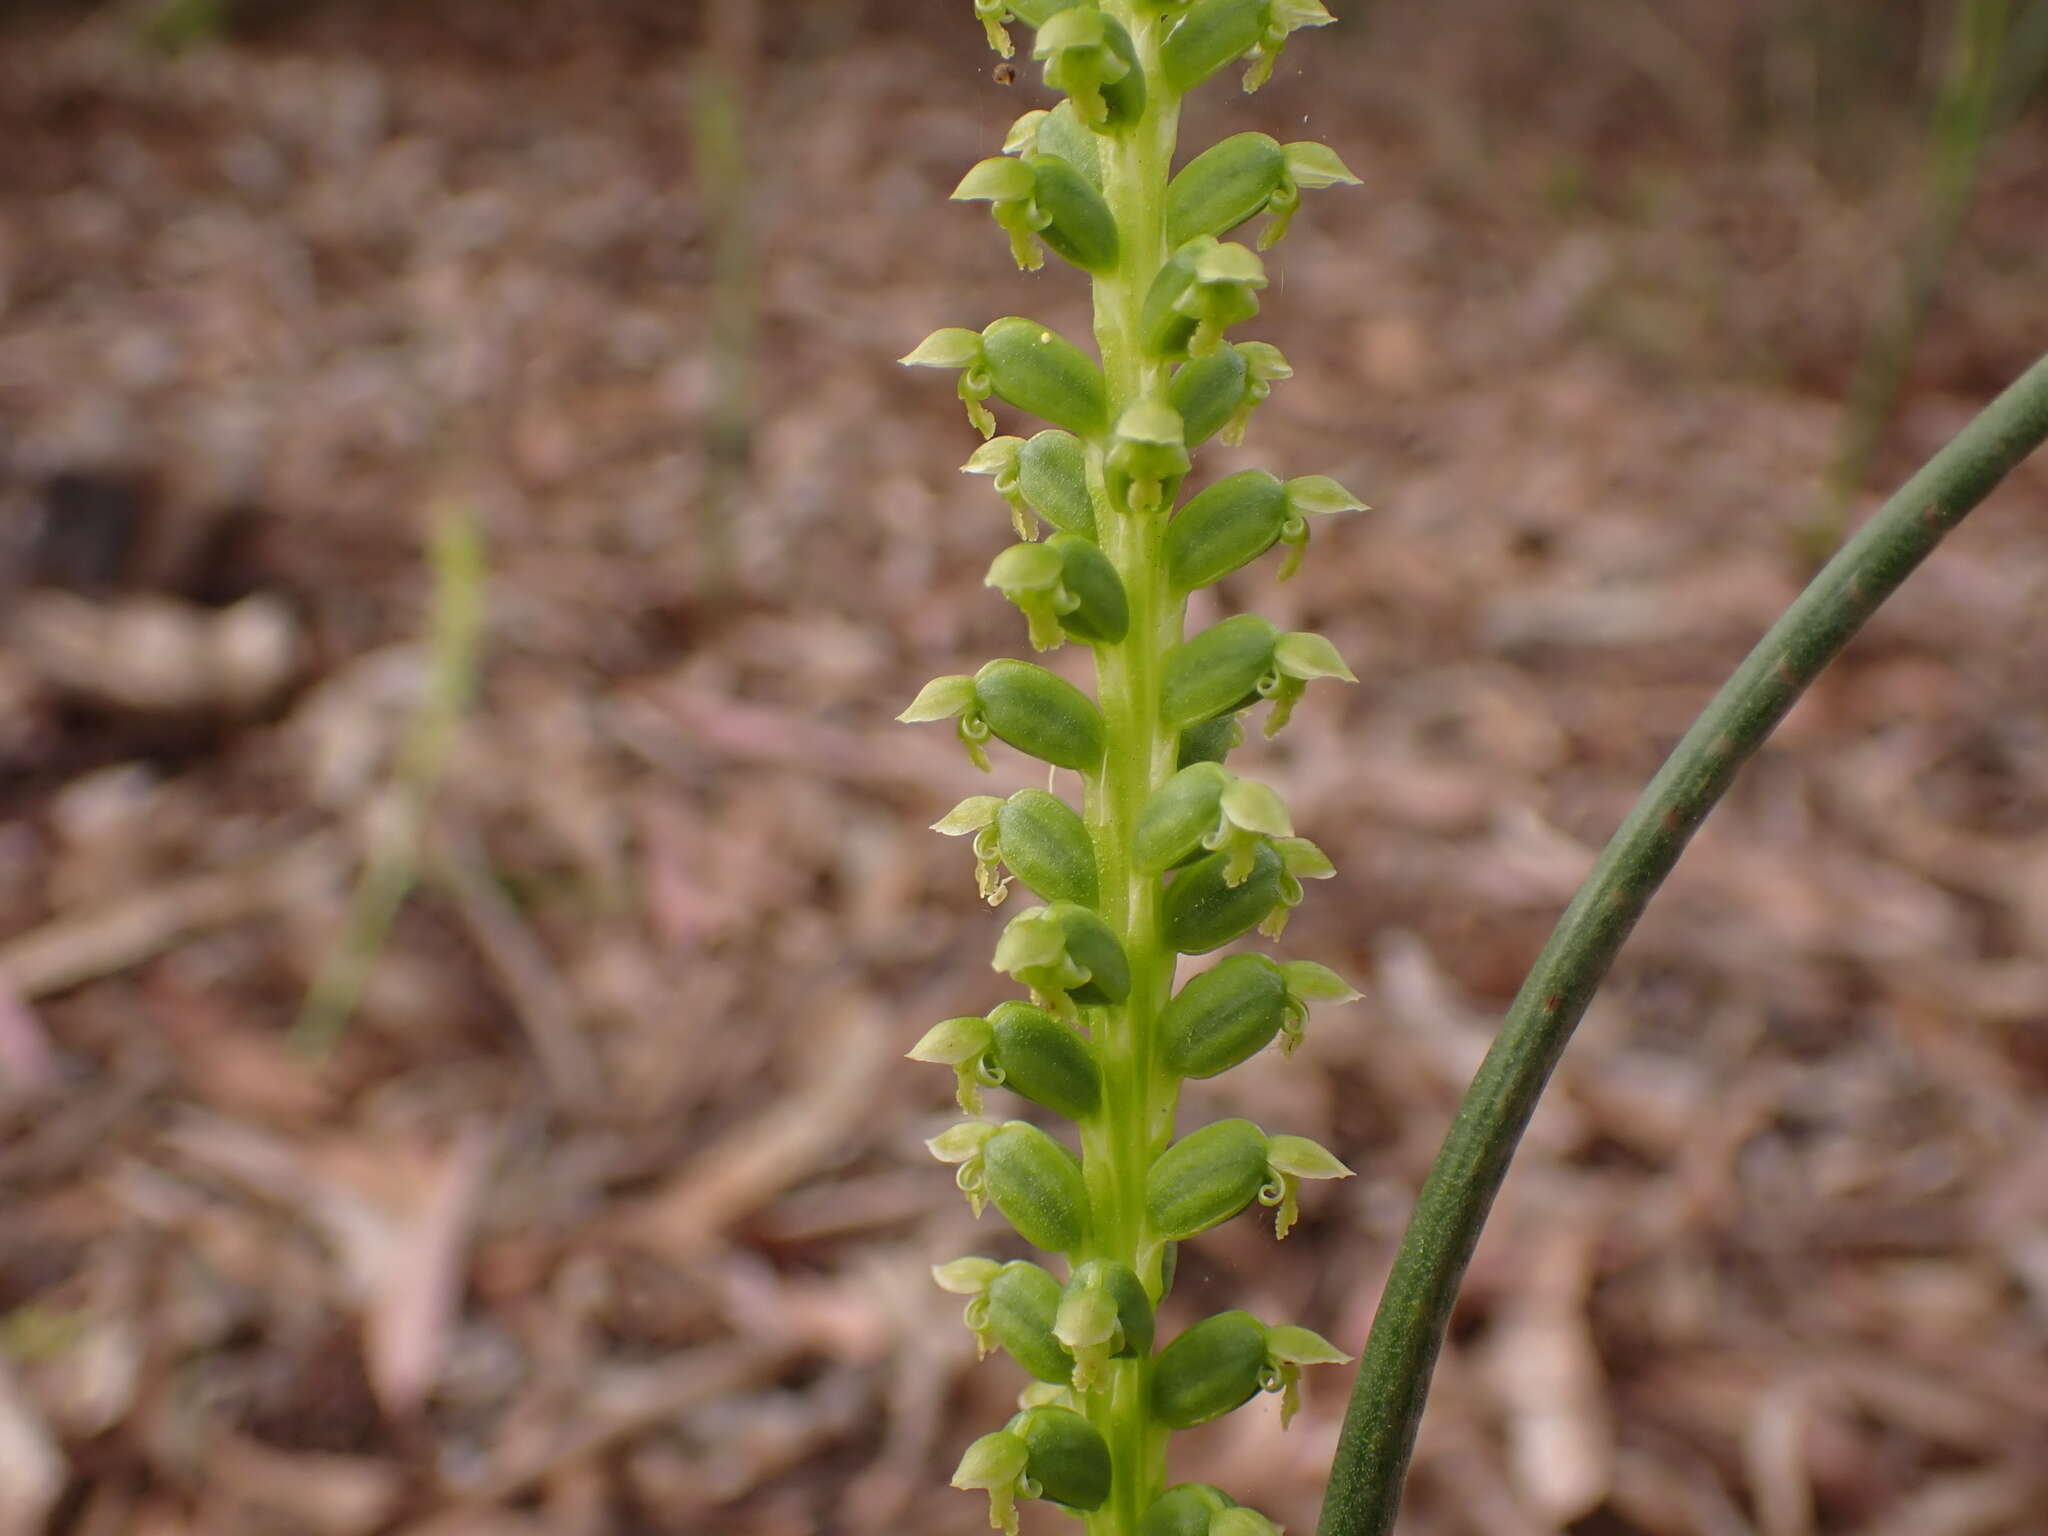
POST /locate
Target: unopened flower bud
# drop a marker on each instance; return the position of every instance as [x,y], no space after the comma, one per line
[1223,186]
[1215,1366]
[1038,370]
[1046,845]
[1205,1178]
[1045,1061]
[1040,714]
[1052,476]
[1068,1461]
[1178,815]
[1078,224]
[1208,35]
[1224,528]
[1203,910]
[1019,1306]
[1224,1016]
[1210,392]
[1219,671]
[1036,1183]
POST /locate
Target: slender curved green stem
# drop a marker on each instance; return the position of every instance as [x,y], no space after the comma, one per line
[1407,1333]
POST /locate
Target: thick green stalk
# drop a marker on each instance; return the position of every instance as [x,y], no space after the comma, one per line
[1139,1099]
[1393,1380]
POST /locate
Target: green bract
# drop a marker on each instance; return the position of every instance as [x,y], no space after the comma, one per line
[1155,849]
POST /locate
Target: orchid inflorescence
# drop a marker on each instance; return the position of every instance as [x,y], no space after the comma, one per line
[1170,853]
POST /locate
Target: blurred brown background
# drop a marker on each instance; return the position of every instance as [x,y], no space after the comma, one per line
[606,1210]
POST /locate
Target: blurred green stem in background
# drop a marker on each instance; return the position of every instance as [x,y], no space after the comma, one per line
[1994,61]
[1415,1309]
[398,825]
[720,91]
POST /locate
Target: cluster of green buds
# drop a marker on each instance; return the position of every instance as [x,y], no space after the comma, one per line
[1167,852]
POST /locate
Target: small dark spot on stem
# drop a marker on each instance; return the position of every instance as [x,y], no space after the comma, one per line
[1787,674]
[1674,820]
[1553,1003]
[1931,516]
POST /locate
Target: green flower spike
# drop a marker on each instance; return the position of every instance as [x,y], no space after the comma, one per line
[962,1044]
[1148,449]
[1164,852]
[955,346]
[1289,1160]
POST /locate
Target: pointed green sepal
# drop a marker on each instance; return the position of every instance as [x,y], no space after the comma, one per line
[995,1463]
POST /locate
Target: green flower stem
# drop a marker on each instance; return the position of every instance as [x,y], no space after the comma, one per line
[1407,1333]
[1136,1121]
